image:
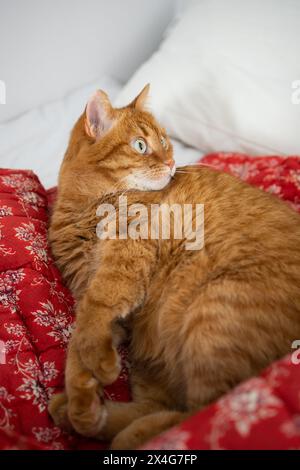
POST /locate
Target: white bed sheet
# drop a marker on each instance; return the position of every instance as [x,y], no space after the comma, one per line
[38,139]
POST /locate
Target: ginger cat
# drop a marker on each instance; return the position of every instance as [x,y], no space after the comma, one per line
[200,321]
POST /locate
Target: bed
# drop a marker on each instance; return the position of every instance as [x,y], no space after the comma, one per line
[37,313]
[211,93]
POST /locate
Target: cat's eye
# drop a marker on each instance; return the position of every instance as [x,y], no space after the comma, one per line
[164,142]
[140,145]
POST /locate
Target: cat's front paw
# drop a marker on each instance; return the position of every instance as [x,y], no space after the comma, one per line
[100,357]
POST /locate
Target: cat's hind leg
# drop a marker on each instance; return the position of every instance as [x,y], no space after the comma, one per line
[146,427]
[121,414]
[148,398]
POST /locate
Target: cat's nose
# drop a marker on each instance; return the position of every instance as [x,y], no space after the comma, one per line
[170,163]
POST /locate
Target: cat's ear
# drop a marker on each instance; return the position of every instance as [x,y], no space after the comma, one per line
[98,115]
[140,101]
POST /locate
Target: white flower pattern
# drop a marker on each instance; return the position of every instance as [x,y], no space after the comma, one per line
[247,405]
[48,436]
[9,291]
[36,242]
[25,188]
[6,412]
[5,250]
[5,211]
[57,320]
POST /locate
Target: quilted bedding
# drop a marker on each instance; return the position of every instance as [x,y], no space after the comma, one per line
[36,316]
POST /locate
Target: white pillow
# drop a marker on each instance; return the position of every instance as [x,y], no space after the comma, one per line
[223,77]
[38,139]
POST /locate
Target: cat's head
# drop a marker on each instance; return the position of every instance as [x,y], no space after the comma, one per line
[116,149]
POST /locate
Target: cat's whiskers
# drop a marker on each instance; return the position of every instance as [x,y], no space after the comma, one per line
[153,173]
[193,168]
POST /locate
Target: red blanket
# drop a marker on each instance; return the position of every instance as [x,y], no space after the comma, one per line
[36,314]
